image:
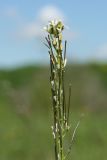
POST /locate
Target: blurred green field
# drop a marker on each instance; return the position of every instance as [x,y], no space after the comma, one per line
[26,116]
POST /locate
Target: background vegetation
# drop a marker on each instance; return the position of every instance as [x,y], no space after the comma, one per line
[25,113]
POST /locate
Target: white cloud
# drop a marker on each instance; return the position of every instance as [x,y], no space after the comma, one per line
[9,12]
[30,30]
[50,12]
[35,28]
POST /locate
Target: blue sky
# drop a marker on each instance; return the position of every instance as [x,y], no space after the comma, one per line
[21,34]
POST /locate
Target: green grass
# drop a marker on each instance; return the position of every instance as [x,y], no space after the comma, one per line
[25,114]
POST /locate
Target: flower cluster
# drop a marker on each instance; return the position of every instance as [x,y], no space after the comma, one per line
[55,28]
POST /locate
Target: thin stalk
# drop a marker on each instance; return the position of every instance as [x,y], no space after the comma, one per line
[69,103]
[57,68]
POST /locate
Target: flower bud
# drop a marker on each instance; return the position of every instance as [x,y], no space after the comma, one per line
[60,37]
[54,42]
[61,48]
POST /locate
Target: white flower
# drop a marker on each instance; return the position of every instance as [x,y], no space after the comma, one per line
[45,28]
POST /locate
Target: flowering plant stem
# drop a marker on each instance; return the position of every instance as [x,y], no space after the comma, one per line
[57,69]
